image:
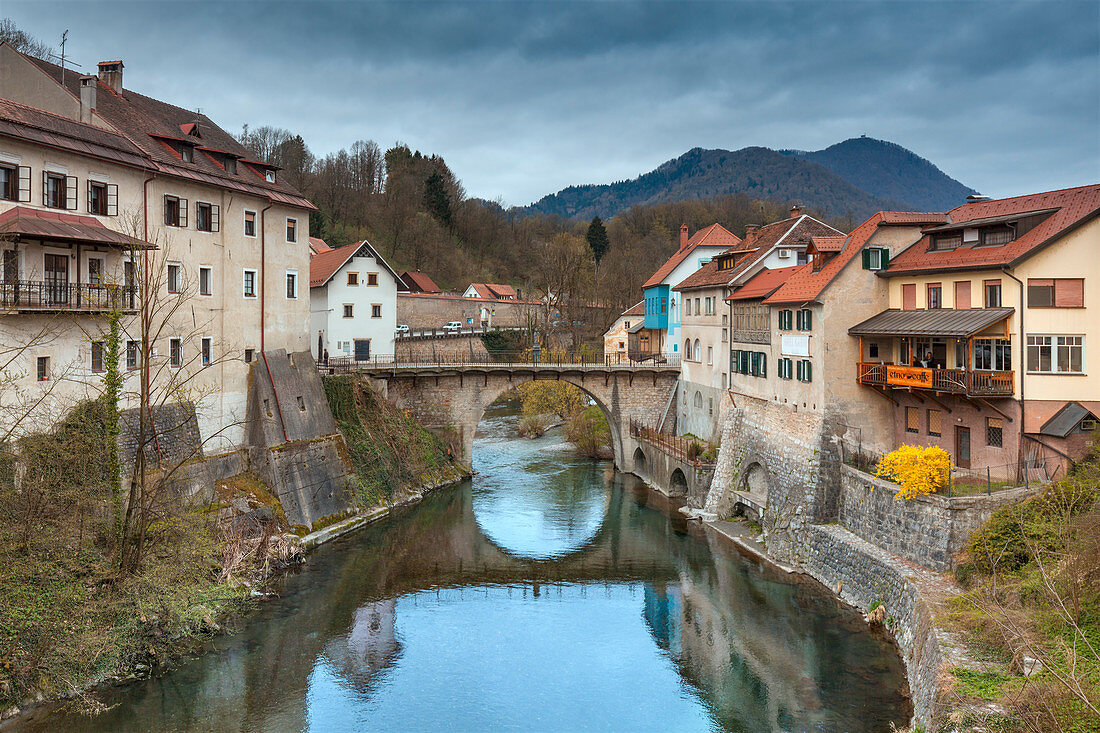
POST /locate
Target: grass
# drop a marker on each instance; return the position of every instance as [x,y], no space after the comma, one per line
[984,685]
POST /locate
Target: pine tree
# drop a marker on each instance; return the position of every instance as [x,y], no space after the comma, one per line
[436,199]
[597,239]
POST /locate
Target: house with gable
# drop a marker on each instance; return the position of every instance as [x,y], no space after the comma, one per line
[662,309]
[353,303]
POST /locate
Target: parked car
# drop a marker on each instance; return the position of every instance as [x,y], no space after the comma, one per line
[402,329]
[452,327]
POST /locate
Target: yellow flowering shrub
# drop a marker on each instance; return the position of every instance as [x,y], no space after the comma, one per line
[917,471]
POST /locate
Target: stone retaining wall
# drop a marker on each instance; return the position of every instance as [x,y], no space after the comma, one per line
[929,530]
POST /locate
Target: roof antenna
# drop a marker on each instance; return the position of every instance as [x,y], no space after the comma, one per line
[64,40]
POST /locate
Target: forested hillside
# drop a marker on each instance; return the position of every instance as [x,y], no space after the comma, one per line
[890,171]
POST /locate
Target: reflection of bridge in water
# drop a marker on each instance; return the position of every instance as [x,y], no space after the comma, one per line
[766,654]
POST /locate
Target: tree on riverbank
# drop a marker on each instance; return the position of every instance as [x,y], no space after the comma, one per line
[585,425]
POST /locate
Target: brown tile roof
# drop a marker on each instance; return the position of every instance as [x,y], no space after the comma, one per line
[707,276]
[318,245]
[638,309]
[763,283]
[1073,206]
[495,291]
[795,232]
[827,244]
[146,122]
[805,285]
[419,282]
[55,131]
[715,235]
[324,265]
[21,221]
[934,322]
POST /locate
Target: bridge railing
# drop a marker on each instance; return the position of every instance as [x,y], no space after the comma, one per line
[688,449]
[527,358]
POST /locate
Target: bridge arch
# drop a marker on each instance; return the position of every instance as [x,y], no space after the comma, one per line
[677,483]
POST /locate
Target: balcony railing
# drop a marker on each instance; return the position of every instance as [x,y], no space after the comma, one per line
[952,381]
[30,295]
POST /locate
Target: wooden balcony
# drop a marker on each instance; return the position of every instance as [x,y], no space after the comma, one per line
[948,381]
[30,296]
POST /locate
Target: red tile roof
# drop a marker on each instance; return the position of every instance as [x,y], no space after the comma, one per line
[317,245]
[763,283]
[805,285]
[638,309]
[142,120]
[827,244]
[62,133]
[324,265]
[707,276]
[797,232]
[715,235]
[1073,207]
[496,291]
[21,221]
[419,282]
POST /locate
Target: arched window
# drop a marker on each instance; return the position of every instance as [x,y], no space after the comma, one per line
[687,349]
[698,400]
[697,351]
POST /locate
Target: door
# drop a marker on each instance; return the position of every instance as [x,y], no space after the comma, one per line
[57,279]
[362,349]
[962,447]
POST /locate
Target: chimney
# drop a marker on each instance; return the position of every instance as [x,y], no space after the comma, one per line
[750,229]
[683,236]
[110,73]
[796,211]
[87,97]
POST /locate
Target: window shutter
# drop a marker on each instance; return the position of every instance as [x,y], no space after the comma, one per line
[24,176]
[807,370]
[809,320]
[798,320]
[798,370]
[763,364]
[45,188]
[883,258]
[70,193]
[215,218]
[112,199]
[183,212]
[866,254]
[89,190]
[166,222]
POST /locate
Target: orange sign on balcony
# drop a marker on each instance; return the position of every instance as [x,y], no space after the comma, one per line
[909,376]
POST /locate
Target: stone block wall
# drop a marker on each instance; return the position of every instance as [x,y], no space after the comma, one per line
[929,530]
[427,349]
[175,432]
[419,311]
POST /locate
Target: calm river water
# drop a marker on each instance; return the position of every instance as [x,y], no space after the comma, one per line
[549,593]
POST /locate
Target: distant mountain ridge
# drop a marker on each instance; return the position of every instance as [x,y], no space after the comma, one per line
[858,176]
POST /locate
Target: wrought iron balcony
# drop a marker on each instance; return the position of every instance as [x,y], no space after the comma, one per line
[951,381]
[39,296]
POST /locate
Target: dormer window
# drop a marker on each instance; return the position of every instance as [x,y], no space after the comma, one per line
[947,241]
[231,165]
[187,153]
[997,235]
[270,175]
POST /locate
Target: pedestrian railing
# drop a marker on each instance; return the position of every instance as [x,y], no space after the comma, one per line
[686,448]
[460,358]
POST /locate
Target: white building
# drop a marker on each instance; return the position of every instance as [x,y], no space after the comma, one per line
[353,302]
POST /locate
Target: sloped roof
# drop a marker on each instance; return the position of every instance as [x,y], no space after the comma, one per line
[147,122]
[638,309]
[1063,422]
[1070,208]
[420,281]
[827,244]
[324,265]
[707,276]
[715,235]
[946,322]
[806,284]
[318,245]
[63,133]
[22,221]
[763,283]
[496,291]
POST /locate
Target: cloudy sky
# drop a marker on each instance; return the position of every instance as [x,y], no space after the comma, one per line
[523,99]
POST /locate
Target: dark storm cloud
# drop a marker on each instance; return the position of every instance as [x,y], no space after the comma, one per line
[524,98]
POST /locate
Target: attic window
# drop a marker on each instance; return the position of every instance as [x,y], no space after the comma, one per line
[997,235]
[270,175]
[947,241]
[230,165]
[187,153]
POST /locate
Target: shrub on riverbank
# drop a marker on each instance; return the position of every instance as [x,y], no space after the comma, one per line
[1033,602]
[589,432]
[390,452]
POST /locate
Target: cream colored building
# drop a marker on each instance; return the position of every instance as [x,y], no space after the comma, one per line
[89,172]
[616,340]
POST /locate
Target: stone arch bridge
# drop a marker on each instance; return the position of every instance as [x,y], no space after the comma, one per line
[450,399]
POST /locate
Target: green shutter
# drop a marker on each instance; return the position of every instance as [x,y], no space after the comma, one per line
[763,364]
[884,258]
[866,254]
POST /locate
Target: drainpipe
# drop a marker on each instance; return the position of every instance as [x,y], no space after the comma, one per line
[1023,362]
[145,314]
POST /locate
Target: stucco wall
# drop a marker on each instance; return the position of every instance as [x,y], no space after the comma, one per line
[327,309]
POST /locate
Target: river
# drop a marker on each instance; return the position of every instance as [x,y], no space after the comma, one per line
[548,593]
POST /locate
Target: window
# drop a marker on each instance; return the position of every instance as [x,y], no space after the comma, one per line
[947,241]
[231,166]
[1055,293]
[912,420]
[175,211]
[376,310]
[785,367]
[8,177]
[697,401]
[664,306]
[175,353]
[206,281]
[805,319]
[997,235]
[349,310]
[95,270]
[687,350]
[269,176]
[935,422]
[784,320]
[994,432]
[710,355]
[909,297]
[697,350]
[875,258]
[43,366]
[353,278]
[962,295]
[131,354]
[250,223]
[204,350]
[992,293]
[248,356]
[758,364]
[872,350]
[250,283]
[804,370]
[207,217]
[58,190]
[175,278]
[291,284]
[935,296]
[725,335]
[372,278]
[1056,354]
[292,230]
[687,306]
[97,198]
[698,311]
[97,356]
[992,355]
[725,380]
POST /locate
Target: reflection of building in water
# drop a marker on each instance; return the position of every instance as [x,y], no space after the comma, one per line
[662,614]
[370,648]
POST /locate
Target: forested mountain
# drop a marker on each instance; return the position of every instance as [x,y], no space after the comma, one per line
[851,179]
[890,171]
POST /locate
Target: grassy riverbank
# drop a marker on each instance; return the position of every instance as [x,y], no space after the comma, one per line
[1031,612]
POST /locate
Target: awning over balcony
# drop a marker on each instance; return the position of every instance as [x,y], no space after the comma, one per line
[947,323]
[56,226]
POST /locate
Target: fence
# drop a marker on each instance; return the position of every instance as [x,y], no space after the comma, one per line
[63,296]
[966,481]
[526,357]
[687,449]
